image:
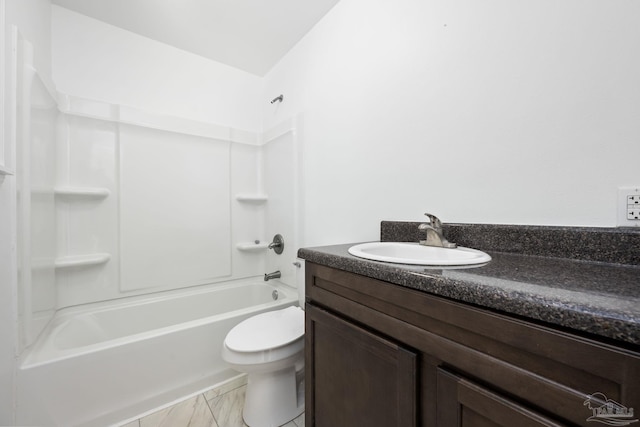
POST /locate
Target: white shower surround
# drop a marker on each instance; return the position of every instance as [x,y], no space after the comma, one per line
[75,171]
[134,202]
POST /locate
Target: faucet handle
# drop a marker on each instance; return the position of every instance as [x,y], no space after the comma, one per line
[435,221]
[278,244]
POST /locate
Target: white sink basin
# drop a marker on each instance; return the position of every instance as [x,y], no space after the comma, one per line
[416,254]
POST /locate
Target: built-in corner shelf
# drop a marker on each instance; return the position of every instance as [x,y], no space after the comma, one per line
[252,197]
[82,192]
[82,260]
[251,246]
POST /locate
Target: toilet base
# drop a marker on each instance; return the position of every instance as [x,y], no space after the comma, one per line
[274,398]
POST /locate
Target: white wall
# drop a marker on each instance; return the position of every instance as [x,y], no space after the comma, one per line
[33,19]
[95,60]
[493,112]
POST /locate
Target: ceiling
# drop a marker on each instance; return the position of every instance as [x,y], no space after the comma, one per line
[251,35]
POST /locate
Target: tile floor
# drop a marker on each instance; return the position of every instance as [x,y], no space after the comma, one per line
[218,407]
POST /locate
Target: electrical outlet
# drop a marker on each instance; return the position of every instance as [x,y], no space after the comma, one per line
[633,214]
[629,207]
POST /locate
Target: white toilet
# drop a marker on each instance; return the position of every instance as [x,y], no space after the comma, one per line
[269,347]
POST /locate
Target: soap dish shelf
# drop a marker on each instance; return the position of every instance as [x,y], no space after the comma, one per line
[82,260]
[82,192]
[252,197]
[251,246]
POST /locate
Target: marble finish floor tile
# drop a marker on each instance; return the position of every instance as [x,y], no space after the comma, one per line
[227,408]
[225,388]
[299,422]
[219,407]
[192,412]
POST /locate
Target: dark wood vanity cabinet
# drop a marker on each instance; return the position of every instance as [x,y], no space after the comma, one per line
[378,354]
[377,376]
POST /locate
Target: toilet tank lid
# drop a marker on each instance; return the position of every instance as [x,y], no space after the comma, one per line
[267,330]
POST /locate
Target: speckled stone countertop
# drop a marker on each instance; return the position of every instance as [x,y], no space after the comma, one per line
[595,292]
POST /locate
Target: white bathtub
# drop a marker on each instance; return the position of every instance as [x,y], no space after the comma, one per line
[103,363]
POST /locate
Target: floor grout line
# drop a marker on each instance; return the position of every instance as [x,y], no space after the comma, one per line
[210,406]
[211,410]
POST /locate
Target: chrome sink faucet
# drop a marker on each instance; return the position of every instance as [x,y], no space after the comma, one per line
[434,233]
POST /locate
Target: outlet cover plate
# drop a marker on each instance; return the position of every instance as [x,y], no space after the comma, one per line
[627,206]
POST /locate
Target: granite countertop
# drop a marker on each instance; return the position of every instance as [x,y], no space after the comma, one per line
[594,297]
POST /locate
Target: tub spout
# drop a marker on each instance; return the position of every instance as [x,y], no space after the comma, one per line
[274,275]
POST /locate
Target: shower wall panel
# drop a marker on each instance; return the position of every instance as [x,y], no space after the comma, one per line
[126,202]
[248,223]
[87,208]
[280,177]
[35,118]
[148,203]
[175,221]
[39,210]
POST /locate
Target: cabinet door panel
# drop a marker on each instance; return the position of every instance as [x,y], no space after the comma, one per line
[356,378]
[462,403]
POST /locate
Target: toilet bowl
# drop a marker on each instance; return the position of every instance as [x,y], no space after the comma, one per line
[269,348]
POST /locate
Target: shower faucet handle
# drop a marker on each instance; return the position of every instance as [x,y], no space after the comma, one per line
[278,244]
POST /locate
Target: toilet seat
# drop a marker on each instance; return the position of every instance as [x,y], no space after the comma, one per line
[269,348]
[267,331]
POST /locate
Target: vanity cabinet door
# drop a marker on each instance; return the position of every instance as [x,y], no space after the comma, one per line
[462,403]
[354,377]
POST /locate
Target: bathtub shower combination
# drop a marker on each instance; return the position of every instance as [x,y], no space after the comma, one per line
[106,362]
[143,240]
